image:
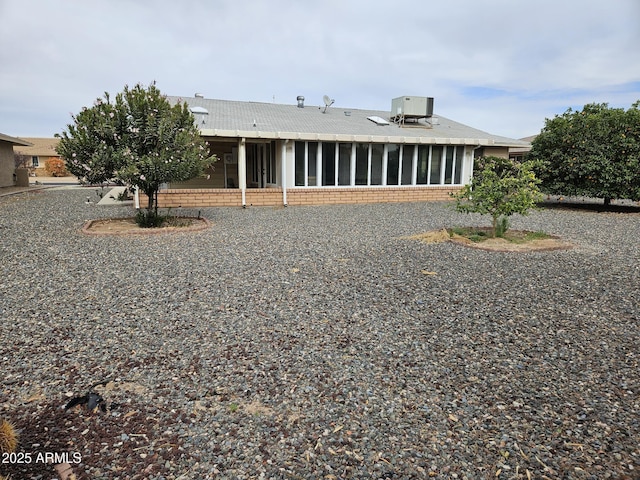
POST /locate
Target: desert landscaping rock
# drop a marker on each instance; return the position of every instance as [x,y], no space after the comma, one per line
[307,342]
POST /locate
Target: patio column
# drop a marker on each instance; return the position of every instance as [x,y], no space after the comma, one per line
[242,170]
[283,169]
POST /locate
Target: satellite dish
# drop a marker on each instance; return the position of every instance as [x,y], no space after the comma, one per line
[327,102]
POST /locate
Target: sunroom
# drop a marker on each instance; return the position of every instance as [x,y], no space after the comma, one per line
[275,154]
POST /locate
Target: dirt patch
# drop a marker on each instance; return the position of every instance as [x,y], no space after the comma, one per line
[128,226]
[496,244]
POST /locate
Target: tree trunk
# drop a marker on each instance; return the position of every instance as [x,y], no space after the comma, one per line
[607,201]
[494,226]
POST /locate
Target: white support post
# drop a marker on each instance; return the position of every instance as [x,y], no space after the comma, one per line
[414,166]
[283,169]
[369,150]
[336,163]
[352,173]
[385,158]
[242,170]
[319,175]
[400,160]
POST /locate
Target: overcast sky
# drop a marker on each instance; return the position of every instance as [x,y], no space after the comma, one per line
[502,66]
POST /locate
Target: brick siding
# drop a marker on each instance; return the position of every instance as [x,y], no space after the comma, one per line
[225,197]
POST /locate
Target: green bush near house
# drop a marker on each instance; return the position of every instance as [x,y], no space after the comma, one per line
[500,188]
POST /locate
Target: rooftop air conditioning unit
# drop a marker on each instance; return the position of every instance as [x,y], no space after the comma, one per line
[411,109]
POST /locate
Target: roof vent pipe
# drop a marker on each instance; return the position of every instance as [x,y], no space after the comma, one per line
[300,101]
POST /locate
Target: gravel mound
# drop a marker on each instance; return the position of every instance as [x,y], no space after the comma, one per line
[307,342]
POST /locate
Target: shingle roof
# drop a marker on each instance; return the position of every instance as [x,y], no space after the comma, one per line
[45,147]
[13,140]
[228,118]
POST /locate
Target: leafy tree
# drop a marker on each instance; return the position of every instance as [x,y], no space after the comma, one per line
[91,147]
[594,152]
[500,187]
[139,139]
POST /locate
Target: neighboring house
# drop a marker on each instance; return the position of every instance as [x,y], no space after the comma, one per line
[274,154]
[7,162]
[40,150]
[518,153]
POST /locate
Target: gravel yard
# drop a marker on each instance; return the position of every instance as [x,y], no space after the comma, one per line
[307,343]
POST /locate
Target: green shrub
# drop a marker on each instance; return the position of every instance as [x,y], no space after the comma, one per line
[502,226]
[149,219]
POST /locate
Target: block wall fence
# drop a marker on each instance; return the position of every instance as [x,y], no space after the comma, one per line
[225,197]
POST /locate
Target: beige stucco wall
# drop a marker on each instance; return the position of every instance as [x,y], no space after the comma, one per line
[493,152]
[7,165]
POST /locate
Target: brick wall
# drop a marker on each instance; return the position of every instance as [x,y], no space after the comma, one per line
[226,197]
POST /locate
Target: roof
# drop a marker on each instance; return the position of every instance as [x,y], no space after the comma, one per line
[45,147]
[226,118]
[13,140]
[525,148]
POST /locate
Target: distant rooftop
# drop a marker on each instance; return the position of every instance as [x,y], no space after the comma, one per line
[45,147]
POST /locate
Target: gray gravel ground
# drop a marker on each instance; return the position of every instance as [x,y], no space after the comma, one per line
[305,342]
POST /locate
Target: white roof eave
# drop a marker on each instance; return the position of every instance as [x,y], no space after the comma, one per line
[331,137]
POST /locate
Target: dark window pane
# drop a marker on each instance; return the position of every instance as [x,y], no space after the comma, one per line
[313,164]
[407,164]
[436,165]
[393,163]
[362,163]
[328,163]
[377,151]
[457,177]
[299,172]
[423,164]
[448,171]
[344,165]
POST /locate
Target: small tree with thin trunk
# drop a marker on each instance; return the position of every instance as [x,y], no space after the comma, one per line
[139,139]
[500,187]
[21,160]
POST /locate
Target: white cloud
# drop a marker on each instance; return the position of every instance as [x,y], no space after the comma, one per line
[498,65]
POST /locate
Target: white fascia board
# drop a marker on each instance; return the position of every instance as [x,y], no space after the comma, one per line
[331,137]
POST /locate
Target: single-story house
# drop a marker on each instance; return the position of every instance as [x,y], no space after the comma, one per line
[519,153]
[40,150]
[301,154]
[7,160]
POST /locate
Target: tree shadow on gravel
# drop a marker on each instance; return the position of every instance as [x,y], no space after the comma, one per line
[129,438]
[589,207]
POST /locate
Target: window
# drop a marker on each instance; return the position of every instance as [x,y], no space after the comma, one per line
[448,167]
[35,162]
[423,164]
[436,165]
[377,153]
[393,164]
[273,171]
[344,163]
[362,163]
[312,155]
[457,176]
[300,148]
[328,163]
[407,164]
